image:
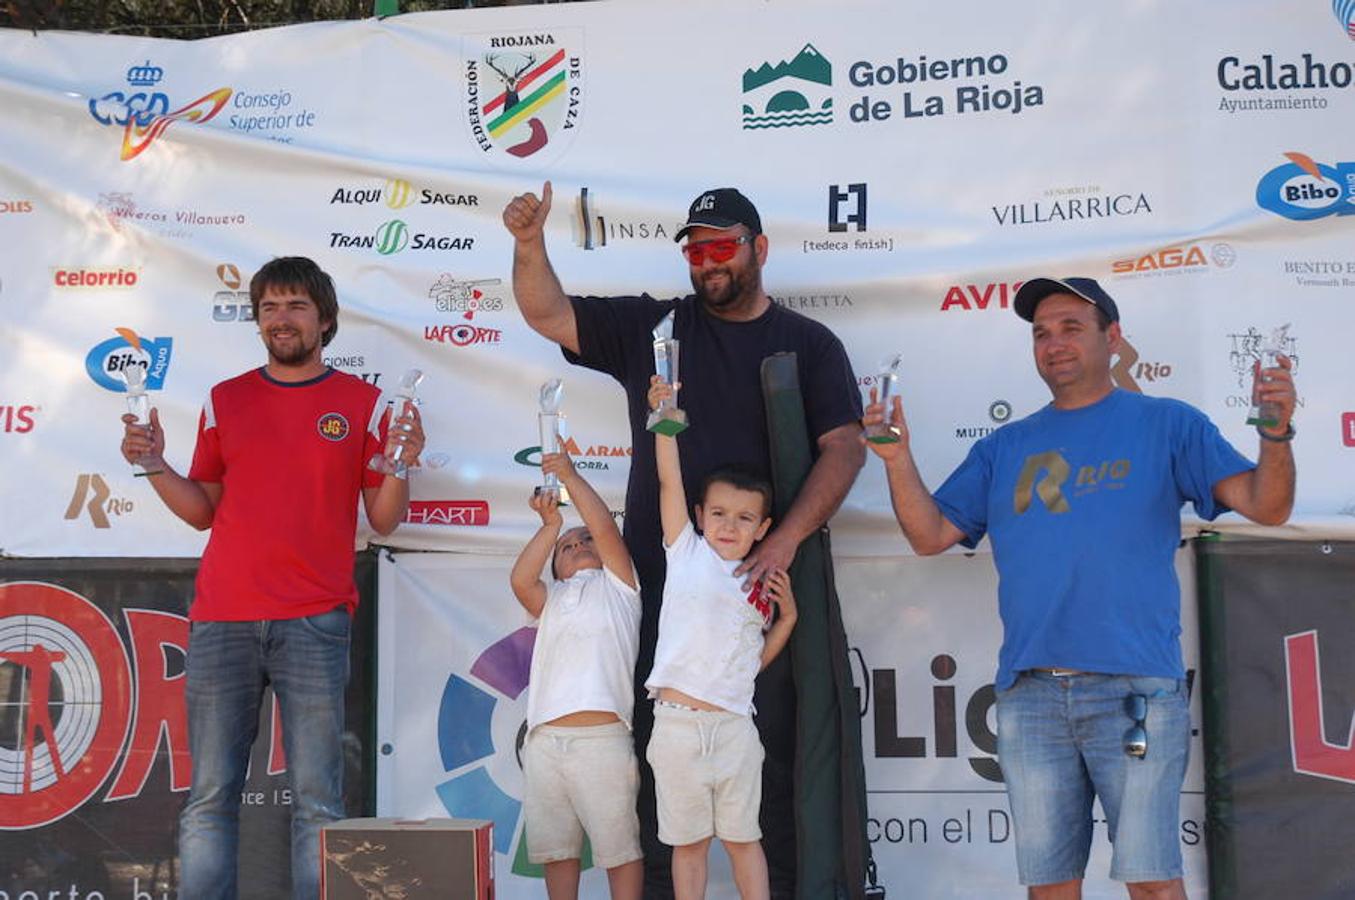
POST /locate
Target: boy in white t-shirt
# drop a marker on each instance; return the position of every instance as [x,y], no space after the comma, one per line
[579,758]
[714,638]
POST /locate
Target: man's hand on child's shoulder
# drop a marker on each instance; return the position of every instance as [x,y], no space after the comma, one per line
[779,589]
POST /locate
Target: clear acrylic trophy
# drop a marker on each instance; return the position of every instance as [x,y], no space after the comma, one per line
[885,433]
[667,419]
[1267,415]
[139,405]
[406,397]
[551,422]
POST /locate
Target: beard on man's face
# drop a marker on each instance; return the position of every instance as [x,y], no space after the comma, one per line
[293,351]
[720,286]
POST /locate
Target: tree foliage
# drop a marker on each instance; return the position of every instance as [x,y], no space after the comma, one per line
[196,18]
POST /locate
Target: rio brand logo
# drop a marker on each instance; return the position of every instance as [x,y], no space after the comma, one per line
[1304,189]
[523,92]
[145,114]
[793,93]
[92,496]
[78,702]
[107,359]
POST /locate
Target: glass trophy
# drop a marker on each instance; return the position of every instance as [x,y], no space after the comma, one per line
[1267,415]
[390,462]
[550,423]
[667,419]
[885,433]
[139,405]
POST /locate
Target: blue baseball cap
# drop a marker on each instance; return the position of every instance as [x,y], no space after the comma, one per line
[1035,290]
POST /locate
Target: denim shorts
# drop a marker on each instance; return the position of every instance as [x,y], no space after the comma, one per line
[1060,741]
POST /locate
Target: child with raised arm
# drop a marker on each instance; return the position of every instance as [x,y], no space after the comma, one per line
[579,757]
[714,638]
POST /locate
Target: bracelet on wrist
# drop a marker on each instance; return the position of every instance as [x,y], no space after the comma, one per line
[1284,438]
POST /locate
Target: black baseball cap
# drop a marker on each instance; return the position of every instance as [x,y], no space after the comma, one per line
[1035,290]
[721,208]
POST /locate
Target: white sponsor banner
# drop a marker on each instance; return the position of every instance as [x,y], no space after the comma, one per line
[452,689]
[912,165]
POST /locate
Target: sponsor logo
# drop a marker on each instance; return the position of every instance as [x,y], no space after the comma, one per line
[1246,349]
[17,419]
[1176,260]
[332,427]
[592,456]
[354,365]
[93,498]
[969,297]
[1252,82]
[523,92]
[1128,370]
[270,113]
[464,297]
[107,358]
[812,302]
[847,212]
[847,207]
[15,206]
[1345,14]
[1313,753]
[921,73]
[592,229]
[395,236]
[231,304]
[80,699]
[1348,428]
[793,93]
[1044,475]
[481,727]
[1073,204]
[1304,189]
[462,335]
[448,512]
[145,115]
[397,193]
[999,413]
[110,277]
[1321,273]
[120,207]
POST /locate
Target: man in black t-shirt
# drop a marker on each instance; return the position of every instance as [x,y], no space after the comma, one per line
[726,328]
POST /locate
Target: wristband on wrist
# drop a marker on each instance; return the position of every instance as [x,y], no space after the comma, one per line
[1285,438]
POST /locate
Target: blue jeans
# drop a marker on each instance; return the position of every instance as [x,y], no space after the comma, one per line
[1060,740]
[229,663]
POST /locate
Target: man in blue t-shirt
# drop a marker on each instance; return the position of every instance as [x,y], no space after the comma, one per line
[1082,500]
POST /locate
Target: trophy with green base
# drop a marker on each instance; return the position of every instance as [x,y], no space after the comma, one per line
[667,419]
[885,433]
[1267,415]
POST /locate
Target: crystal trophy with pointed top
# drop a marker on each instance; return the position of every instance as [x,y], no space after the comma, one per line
[1267,414]
[550,423]
[391,462]
[139,405]
[667,419]
[885,433]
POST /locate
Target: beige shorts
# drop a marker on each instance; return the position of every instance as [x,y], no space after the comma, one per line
[581,780]
[707,775]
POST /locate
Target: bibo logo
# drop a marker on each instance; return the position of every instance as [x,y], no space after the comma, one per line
[107,359]
[477,714]
[1304,189]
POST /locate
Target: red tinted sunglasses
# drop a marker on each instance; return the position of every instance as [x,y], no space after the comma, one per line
[719,250]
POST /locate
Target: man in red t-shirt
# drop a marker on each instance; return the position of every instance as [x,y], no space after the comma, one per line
[280,463]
